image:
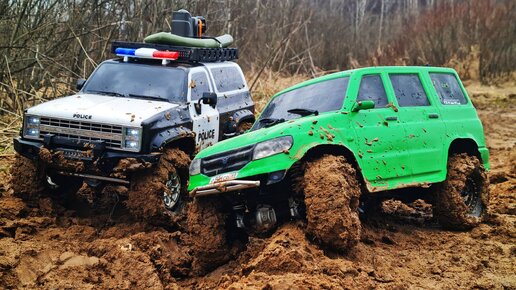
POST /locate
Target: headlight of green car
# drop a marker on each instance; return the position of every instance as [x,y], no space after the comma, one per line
[195,167]
[272,147]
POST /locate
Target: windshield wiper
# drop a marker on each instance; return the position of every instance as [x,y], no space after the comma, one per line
[303,112]
[271,121]
[158,98]
[106,93]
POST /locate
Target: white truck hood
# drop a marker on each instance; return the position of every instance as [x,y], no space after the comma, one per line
[102,109]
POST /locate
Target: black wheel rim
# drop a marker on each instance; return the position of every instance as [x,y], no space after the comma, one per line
[172,192]
[471,195]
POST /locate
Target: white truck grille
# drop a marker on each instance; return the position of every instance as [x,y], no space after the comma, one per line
[83,131]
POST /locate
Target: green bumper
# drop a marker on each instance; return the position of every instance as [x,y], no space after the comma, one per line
[281,161]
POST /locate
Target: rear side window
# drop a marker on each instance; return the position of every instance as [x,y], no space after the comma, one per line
[371,88]
[199,85]
[227,79]
[409,90]
[448,89]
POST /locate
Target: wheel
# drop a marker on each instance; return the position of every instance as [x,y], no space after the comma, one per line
[28,177]
[207,227]
[159,195]
[332,195]
[462,199]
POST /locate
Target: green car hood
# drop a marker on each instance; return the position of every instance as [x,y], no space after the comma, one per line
[252,137]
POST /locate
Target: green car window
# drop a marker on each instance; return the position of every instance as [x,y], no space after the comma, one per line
[371,88]
[322,97]
[409,90]
[448,89]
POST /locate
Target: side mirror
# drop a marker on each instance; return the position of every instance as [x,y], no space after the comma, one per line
[363,105]
[207,98]
[80,84]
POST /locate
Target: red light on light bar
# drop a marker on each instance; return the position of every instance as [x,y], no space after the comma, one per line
[172,55]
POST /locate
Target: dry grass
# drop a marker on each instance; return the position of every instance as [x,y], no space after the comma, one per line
[270,83]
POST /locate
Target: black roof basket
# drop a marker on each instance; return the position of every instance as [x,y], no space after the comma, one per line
[186,54]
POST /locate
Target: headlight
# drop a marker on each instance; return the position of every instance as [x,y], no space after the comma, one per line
[195,167]
[132,138]
[271,147]
[31,127]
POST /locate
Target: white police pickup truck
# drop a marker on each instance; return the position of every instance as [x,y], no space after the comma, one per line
[136,122]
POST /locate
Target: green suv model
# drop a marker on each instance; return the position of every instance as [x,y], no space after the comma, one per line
[319,145]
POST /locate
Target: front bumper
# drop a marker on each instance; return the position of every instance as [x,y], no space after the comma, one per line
[98,155]
[225,186]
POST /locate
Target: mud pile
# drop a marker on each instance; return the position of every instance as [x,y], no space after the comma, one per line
[44,245]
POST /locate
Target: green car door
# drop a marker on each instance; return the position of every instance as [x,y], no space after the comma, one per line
[383,154]
[422,121]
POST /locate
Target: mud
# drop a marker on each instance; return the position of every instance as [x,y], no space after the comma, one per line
[45,246]
[449,209]
[26,177]
[206,219]
[146,192]
[57,159]
[332,195]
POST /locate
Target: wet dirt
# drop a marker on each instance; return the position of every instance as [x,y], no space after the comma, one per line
[46,246]
[146,192]
[332,194]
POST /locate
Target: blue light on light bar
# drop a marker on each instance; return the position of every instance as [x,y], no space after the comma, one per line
[125,51]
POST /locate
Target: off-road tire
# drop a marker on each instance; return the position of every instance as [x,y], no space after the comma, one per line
[145,195]
[332,193]
[27,177]
[207,228]
[465,174]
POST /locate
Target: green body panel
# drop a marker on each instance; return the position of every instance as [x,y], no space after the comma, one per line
[394,146]
[172,39]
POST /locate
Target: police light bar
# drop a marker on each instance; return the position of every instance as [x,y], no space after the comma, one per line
[147,53]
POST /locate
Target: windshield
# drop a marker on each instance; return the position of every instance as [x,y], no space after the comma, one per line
[139,81]
[313,99]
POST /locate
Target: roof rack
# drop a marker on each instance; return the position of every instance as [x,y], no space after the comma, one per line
[187,54]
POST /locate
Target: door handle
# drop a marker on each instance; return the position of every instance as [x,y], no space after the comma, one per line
[433,116]
[391,118]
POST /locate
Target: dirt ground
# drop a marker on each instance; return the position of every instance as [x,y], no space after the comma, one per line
[44,245]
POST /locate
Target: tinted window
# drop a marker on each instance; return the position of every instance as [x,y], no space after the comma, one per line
[371,88]
[138,80]
[448,89]
[324,97]
[227,79]
[409,90]
[199,85]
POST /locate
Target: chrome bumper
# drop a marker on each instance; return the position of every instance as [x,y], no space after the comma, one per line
[224,186]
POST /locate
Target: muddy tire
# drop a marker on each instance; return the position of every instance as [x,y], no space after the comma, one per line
[332,195]
[207,227]
[28,177]
[462,199]
[159,194]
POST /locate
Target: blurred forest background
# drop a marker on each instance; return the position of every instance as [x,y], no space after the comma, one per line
[47,44]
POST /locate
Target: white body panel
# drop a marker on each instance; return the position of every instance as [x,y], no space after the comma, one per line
[103,109]
[206,124]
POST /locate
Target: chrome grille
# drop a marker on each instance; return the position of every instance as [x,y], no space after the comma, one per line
[83,131]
